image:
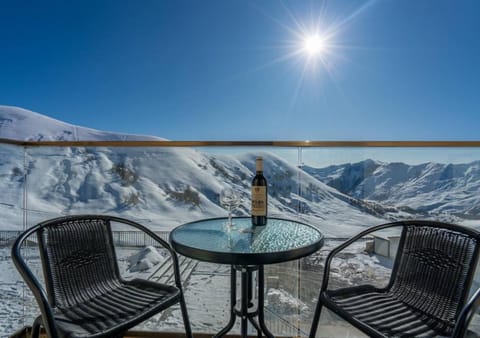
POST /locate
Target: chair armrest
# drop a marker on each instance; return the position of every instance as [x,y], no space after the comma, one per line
[165,244]
[34,283]
[328,261]
[466,315]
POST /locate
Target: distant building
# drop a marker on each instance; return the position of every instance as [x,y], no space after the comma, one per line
[385,245]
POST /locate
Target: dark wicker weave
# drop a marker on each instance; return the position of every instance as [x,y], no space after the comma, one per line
[85,294]
[428,288]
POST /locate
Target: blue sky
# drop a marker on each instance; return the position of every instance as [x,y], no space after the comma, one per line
[235,70]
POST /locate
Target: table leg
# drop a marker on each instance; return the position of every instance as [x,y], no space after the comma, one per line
[256,326]
[244,305]
[233,301]
[261,299]
[251,291]
[247,291]
[250,288]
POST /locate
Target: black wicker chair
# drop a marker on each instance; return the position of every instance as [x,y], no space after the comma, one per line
[85,294]
[428,289]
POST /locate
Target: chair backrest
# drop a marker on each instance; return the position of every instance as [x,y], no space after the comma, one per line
[434,269]
[78,258]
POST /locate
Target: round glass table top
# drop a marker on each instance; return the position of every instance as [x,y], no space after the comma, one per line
[213,240]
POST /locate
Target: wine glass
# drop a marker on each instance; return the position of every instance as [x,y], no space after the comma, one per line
[230,200]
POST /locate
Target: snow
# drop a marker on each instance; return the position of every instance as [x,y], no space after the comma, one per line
[22,124]
[14,296]
[165,187]
[430,190]
[144,260]
[281,301]
[162,187]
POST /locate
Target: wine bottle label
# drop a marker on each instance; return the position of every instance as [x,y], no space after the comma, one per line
[259,201]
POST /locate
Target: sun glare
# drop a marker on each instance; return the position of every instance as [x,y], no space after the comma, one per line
[313,45]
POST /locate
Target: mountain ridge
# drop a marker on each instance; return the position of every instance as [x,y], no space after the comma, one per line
[427,188]
[167,186]
[164,186]
[25,125]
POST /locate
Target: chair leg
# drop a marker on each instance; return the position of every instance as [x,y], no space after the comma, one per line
[316,318]
[36,327]
[186,322]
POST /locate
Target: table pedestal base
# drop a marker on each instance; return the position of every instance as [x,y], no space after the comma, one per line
[246,311]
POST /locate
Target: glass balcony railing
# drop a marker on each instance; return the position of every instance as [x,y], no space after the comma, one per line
[339,187]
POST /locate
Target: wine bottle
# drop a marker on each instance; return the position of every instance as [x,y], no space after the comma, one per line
[259,195]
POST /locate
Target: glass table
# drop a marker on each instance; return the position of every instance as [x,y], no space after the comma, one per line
[246,249]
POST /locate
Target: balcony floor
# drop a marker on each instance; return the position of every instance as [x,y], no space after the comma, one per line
[25,333]
[324,331]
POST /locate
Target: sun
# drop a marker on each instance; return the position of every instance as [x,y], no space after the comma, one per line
[313,45]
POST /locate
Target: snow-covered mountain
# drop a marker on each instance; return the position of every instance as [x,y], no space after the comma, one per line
[26,125]
[425,189]
[166,186]
[161,186]
[169,186]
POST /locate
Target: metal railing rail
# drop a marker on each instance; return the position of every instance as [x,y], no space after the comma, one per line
[120,238]
[8,236]
[307,144]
